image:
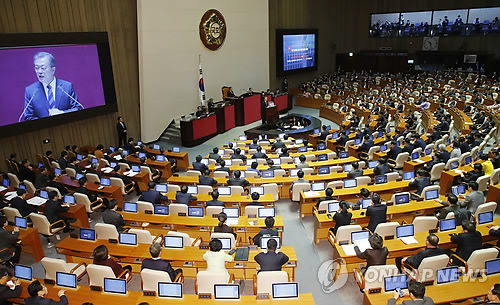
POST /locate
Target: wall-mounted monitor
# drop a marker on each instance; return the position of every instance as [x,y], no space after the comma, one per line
[384,25]
[296,50]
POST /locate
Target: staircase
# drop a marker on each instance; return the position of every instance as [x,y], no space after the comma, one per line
[171,136]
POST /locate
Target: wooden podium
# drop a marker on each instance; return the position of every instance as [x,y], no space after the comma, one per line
[272,114]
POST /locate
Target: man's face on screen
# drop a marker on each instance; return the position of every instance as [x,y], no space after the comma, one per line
[44,72]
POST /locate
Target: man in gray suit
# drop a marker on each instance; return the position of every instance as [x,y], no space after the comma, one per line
[300,175]
[416,292]
[355,171]
[110,216]
[474,199]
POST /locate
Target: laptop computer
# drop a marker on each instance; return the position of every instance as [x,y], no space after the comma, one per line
[79,157]
[157,147]
[105,181]
[115,286]
[160,209]
[176,149]
[21,222]
[447,225]
[372,164]
[404,231]
[285,290]
[111,149]
[23,272]
[323,157]
[173,242]
[347,168]
[44,194]
[257,189]
[381,179]
[392,283]
[454,165]
[170,290]
[458,189]
[162,188]
[408,175]
[428,151]
[193,190]
[276,161]
[69,199]
[57,171]
[299,141]
[128,239]
[321,146]
[195,211]
[226,292]
[264,240]
[324,170]
[130,207]
[335,135]
[350,183]
[402,198]
[359,235]
[302,149]
[365,203]
[224,190]
[67,280]
[432,194]
[318,186]
[343,155]
[415,156]
[268,174]
[141,155]
[87,234]
[383,148]
[242,138]
[316,131]
[357,141]
[160,158]
[22,187]
[468,160]
[232,212]
[333,207]
[485,217]
[492,266]
[226,243]
[266,212]
[294,171]
[447,275]
[78,176]
[5,182]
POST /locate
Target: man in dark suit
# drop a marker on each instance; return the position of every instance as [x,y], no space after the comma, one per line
[452,205]
[394,151]
[416,292]
[420,182]
[82,189]
[237,180]
[110,216]
[19,202]
[474,174]
[63,161]
[431,249]
[125,179]
[355,171]
[8,239]
[263,106]
[382,167]
[121,128]
[215,201]
[435,135]
[367,144]
[268,231]
[324,133]
[183,196]
[42,179]
[214,155]
[237,155]
[464,146]
[26,171]
[54,207]
[59,186]
[467,242]
[152,195]
[255,199]
[259,154]
[418,142]
[408,146]
[270,260]
[11,290]
[130,146]
[205,178]
[37,292]
[223,167]
[48,96]
[496,158]
[197,165]
[377,213]
[278,144]
[156,263]
[271,165]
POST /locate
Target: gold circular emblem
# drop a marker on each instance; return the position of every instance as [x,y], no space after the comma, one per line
[212,29]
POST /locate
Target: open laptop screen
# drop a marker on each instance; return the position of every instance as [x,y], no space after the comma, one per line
[175,242]
[66,279]
[169,290]
[404,231]
[285,290]
[115,285]
[392,283]
[226,292]
[447,275]
[447,225]
[22,272]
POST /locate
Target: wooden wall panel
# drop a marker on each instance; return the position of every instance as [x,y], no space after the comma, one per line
[119,19]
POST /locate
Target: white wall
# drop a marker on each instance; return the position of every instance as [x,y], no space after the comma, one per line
[169,45]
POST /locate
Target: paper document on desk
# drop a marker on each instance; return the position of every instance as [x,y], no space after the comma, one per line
[419,161]
[38,201]
[88,166]
[106,170]
[363,244]
[232,221]
[118,157]
[2,188]
[459,171]
[311,194]
[131,174]
[10,195]
[409,240]
[349,250]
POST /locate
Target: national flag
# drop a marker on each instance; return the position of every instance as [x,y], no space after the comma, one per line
[201,87]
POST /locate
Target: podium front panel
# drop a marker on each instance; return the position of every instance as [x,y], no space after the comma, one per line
[281,102]
[252,108]
[229,117]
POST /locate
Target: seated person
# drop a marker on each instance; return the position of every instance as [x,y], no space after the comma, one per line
[237,155]
[222,227]
[271,260]
[156,263]
[367,144]
[253,168]
[453,206]
[53,183]
[284,153]
[342,217]
[467,242]
[101,257]
[237,180]
[126,181]
[152,195]
[271,165]
[223,167]
[254,144]
[8,288]
[394,151]
[214,155]
[328,196]
[474,198]
[355,171]
[214,201]
[431,249]
[375,256]
[487,164]
[198,166]
[54,208]
[110,216]
[300,175]
[205,179]
[8,240]
[420,182]
[255,200]
[216,259]
[377,212]
[365,194]
[278,144]
[259,154]
[82,189]
[268,231]
[474,174]
[302,163]
[183,196]
[382,167]
[324,133]
[26,171]
[416,292]
[19,202]
[42,178]
[38,291]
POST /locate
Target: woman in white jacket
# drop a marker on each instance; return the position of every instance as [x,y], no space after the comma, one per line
[216,259]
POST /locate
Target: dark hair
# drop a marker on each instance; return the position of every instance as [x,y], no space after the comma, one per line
[329,191]
[355,165]
[433,240]
[302,158]
[52,176]
[237,151]
[478,166]
[48,153]
[376,198]
[237,174]
[271,244]
[469,226]
[300,174]
[198,158]
[99,147]
[206,172]
[3,220]
[484,157]
[496,290]
[111,204]
[270,162]
[258,148]
[82,181]
[34,287]
[3,272]
[343,205]
[215,150]
[184,188]
[215,194]
[222,218]
[254,165]
[474,185]
[215,245]
[20,192]
[376,241]
[255,196]
[382,160]
[151,185]
[452,199]
[417,289]
[52,195]
[269,221]
[100,253]
[364,192]
[116,168]
[64,153]
[222,163]
[421,172]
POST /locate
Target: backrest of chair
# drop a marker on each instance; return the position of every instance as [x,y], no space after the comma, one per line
[344,232]
[118,182]
[205,281]
[143,236]
[173,188]
[451,160]
[279,172]
[486,207]
[124,166]
[495,176]
[393,197]
[424,223]
[374,275]
[250,174]
[104,162]
[335,184]
[13,180]
[97,273]
[401,158]
[55,164]
[71,172]
[91,177]
[271,188]
[297,188]
[143,206]
[83,199]
[430,188]
[176,208]
[461,159]
[436,171]
[336,169]
[30,187]
[323,205]
[429,265]
[237,162]
[11,213]
[53,265]
[363,180]
[204,189]
[477,259]
[236,189]
[386,229]
[106,231]
[266,279]
[474,153]
[286,159]
[150,279]
[392,176]
[53,189]
[483,182]
[185,237]
[194,173]
[222,174]
[252,210]
[348,143]
[332,155]
[308,171]
[224,235]
[212,210]
[41,223]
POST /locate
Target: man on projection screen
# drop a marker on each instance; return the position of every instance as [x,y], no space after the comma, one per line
[48,96]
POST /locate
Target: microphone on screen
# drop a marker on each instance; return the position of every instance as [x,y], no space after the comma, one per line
[60,87]
[29,102]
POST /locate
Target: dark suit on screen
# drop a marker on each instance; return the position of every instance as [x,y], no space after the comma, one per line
[39,106]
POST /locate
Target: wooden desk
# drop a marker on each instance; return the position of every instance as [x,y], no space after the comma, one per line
[398,213]
[493,193]
[31,242]
[182,158]
[197,226]
[410,166]
[164,166]
[114,192]
[230,201]
[331,114]
[309,102]
[447,178]
[190,259]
